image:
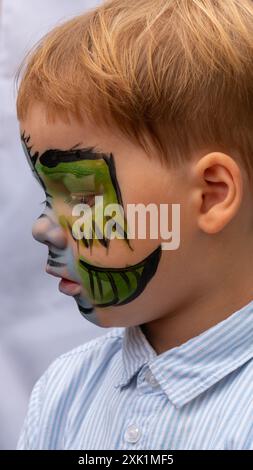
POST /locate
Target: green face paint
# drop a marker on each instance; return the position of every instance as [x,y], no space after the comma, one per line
[117,286]
[79,182]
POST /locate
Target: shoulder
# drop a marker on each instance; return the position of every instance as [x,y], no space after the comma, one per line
[114,335]
[240,408]
[56,388]
[99,349]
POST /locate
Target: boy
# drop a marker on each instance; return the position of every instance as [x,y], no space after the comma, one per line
[147,103]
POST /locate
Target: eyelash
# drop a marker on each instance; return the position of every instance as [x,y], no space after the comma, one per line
[69,200]
[47,203]
[80,200]
[47,196]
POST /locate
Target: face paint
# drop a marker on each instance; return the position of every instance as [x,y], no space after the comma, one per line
[117,286]
[78,176]
[69,177]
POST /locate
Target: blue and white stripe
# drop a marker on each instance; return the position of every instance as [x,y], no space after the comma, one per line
[115,392]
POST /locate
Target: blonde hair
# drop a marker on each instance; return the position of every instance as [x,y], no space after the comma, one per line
[177,73]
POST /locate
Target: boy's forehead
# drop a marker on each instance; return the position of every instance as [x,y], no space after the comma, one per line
[66,133]
[46,134]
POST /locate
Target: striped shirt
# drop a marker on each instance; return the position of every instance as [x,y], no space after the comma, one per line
[115,392]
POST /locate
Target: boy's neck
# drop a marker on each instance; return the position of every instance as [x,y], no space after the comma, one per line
[203,313]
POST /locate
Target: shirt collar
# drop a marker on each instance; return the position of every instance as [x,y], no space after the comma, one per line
[184,372]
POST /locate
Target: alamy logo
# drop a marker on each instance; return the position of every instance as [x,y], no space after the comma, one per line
[111,221]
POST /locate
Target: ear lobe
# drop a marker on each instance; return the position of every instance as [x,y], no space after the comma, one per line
[221,185]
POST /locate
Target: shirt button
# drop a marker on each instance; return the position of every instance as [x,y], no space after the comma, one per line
[132,433]
[151,379]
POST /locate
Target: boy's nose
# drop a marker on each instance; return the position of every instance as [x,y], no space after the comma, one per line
[46,231]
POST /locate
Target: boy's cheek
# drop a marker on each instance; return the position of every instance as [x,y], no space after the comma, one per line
[117,253]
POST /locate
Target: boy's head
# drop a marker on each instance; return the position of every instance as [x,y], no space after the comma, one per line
[152,103]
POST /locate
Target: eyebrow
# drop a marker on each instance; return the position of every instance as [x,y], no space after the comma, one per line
[52,157]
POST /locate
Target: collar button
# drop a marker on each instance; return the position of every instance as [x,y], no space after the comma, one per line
[149,377]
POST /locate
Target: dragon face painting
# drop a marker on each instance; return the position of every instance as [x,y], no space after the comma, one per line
[78,176]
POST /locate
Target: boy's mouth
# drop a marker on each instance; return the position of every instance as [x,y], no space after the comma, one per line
[66,286]
[69,287]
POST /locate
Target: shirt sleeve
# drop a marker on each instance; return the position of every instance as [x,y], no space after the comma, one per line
[28,439]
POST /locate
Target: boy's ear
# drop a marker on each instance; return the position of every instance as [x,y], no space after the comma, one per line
[218,190]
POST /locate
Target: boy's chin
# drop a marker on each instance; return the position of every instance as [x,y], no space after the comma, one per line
[110,317]
[106,317]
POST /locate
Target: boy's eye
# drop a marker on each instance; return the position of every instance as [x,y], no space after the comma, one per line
[76,198]
[47,203]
